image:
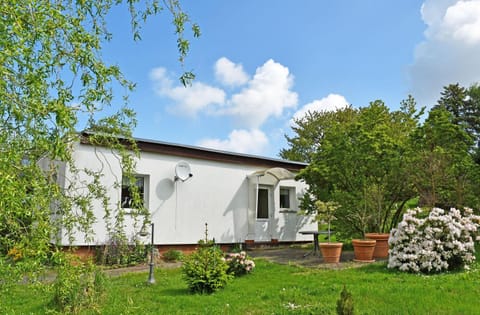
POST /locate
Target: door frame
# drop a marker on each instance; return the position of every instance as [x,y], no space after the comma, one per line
[263,233]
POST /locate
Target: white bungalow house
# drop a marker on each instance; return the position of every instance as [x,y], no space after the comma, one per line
[243,198]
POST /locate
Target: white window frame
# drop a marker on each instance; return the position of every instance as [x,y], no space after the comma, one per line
[268,190]
[292,204]
[146,186]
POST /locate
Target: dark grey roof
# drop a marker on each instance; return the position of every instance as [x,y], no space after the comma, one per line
[181,150]
[213,154]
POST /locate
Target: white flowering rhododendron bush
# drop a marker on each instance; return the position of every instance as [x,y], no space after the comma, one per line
[434,241]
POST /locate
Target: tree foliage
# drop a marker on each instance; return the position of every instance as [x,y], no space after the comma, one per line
[464,105]
[52,74]
[362,163]
[444,171]
[309,133]
[375,162]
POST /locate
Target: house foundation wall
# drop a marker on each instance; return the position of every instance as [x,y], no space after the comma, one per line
[88,252]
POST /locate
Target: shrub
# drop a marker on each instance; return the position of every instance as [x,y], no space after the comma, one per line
[9,274]
[172,255]
[238,264]
[118,252]
[205,270]
[436,242]
[77,287]
[345,303]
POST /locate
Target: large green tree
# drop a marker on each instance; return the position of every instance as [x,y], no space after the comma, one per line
[52,71]
[374,161]
[464,105]
[444,171]
[309,132]
[360,159]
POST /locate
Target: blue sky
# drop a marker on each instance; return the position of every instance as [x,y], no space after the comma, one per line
[260,63]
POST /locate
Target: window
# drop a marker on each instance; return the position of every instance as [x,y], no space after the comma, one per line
[262,205]
[287,194]
[127,198]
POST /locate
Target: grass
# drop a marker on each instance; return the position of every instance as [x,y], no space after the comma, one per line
[279,289]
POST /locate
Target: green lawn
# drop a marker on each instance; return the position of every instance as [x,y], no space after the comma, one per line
[280,289]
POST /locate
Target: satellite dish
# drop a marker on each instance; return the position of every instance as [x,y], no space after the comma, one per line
[182,171]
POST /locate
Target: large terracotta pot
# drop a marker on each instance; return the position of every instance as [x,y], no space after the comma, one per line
[363,250]
[331,252]
[381,247]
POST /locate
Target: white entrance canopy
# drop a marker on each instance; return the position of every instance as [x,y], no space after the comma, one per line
[271,175]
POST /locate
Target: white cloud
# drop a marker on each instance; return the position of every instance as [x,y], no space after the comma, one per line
[331,102]
[189,100]
[160,78]
[243,141]
[229,73]
[267,94]
[460,22]
[449,53]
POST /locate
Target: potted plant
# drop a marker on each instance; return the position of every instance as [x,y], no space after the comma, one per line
[363,248]
[377,208]
[381,244]
[331,251]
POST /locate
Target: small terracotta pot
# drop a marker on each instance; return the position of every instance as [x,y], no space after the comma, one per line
[363,250]
[381,247]
[331,252]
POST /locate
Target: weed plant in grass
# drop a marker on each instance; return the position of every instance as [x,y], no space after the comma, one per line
[281,289]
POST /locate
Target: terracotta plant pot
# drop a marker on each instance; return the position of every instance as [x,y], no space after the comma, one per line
[381,247]
[331,252]
[363,250]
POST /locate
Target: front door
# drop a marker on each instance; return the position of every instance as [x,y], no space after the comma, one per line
[264,214]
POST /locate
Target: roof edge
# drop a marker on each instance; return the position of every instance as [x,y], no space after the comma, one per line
[189,151]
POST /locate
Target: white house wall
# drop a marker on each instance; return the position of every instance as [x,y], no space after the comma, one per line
[99,159]
[218,193]
[290,223]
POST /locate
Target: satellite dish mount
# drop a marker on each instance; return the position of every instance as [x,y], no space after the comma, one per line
[182,171]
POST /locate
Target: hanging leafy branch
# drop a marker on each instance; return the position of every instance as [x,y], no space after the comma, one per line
[53,73]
